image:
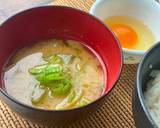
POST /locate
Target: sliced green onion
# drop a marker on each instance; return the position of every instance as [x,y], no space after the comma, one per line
[37,69]
[84,101]
[71,97]
[78,67]
[61,87]
[66,58]
[54,75]
[55,59]
[47,72]
[70,100]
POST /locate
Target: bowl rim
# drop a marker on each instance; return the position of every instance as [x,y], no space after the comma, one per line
[78,108]
[138,86]
[125,50]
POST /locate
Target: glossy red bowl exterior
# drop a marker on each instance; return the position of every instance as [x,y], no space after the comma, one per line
[58,22]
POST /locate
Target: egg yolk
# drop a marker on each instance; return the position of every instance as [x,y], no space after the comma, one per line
[126,35]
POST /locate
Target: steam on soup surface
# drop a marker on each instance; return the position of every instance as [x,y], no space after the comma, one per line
[54,74]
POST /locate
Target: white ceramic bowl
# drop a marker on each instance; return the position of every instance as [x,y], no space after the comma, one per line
[147,11]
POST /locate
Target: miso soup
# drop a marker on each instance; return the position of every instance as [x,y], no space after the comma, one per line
[55,74]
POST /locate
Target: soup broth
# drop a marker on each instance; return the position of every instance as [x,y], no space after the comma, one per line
[54,74]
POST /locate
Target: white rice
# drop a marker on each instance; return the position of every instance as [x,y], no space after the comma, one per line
[152,96]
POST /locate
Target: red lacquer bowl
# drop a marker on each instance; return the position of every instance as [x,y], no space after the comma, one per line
[59,22]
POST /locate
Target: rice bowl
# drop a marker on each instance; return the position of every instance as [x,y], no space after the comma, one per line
[152,97]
